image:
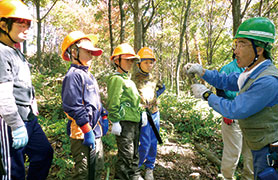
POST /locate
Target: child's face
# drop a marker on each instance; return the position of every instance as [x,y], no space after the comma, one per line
[126,64]
[19,31]
[147,65]
[85,56]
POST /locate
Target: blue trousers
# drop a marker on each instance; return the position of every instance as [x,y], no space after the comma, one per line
[148,143]
[38,150]
[260,160]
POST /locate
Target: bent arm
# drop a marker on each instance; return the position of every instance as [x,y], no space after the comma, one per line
[8,108]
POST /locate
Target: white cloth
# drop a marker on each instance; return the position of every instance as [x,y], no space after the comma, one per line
[243,76]
[194,69]
[198,90]
[144,118]
[116,128]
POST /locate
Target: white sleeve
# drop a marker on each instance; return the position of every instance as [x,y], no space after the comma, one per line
[8,108]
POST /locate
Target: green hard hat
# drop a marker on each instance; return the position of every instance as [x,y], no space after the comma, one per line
[257,28]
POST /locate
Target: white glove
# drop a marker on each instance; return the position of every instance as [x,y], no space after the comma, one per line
[199,90]
[194,69]
[20,137]
[116,128]
[144,118]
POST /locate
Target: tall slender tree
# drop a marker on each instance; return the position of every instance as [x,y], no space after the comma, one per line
[184,26]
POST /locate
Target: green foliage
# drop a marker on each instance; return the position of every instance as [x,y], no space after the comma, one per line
[189,120]
[48,87]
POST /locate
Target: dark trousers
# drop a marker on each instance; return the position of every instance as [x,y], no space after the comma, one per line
[128,157]
[85,160]
[38,150]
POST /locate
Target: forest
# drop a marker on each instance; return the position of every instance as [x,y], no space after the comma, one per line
[179,32]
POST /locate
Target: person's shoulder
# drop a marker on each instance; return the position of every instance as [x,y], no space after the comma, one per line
[5,50]
[74,73]
[115,77]
[231,67]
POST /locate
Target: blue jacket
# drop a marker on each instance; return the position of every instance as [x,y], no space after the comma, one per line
[262,93]
[81,101]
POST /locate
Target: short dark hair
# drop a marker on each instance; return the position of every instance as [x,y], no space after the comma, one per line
[9,22]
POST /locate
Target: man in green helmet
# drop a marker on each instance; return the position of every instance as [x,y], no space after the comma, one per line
[256,106]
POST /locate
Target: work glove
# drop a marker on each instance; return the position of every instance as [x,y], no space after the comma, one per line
[228,121]
[105,124]
[20,137]
[144,118]
[198,90]
[191,68]
[89,136]
[89,139]
[116,129]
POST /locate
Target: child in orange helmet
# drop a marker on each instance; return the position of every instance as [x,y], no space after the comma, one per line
[149,88]
[82,104]
[124,111]
[20,133]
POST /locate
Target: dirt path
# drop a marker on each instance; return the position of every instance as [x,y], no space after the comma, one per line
[182,162]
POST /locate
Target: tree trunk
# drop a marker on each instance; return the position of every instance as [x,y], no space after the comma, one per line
[236,15]
[137,26]
[39,32]
[110,27]
[24,47]
[122,33]
[184,26]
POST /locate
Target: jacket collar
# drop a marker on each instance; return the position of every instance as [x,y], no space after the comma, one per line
[84,68]
[260,69]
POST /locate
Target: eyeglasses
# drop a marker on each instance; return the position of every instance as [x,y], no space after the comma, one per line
[240,44]
[22,22]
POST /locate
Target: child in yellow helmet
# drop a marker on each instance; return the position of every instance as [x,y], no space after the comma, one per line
[20,133]
[123,106]
[149,88]
[81,102]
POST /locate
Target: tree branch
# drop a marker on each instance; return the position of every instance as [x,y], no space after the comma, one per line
[49,9]
[245,8]
[268,11]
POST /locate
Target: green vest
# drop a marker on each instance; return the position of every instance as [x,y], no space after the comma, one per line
[261,128]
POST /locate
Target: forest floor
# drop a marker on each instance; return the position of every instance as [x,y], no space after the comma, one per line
[182,162]
[177,162]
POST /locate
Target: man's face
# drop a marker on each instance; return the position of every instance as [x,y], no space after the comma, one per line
[244,52]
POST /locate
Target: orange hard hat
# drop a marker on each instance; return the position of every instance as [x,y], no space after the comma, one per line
[124,49]
[14,9]
[146,53]
[75,36]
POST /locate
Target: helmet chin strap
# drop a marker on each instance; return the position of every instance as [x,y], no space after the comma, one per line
[8,36]
[120,65]
[142,72]
[11,38]
[256,54]
[75,58]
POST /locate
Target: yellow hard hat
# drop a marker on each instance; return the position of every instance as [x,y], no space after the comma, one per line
[124,49]
[75,36]
[14,9]
[146,53]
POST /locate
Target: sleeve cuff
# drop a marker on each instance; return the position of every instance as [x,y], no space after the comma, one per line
[86,128]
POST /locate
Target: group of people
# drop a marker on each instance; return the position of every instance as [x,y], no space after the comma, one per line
[247,98]
[130,101]
[131,105]
[255,108]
